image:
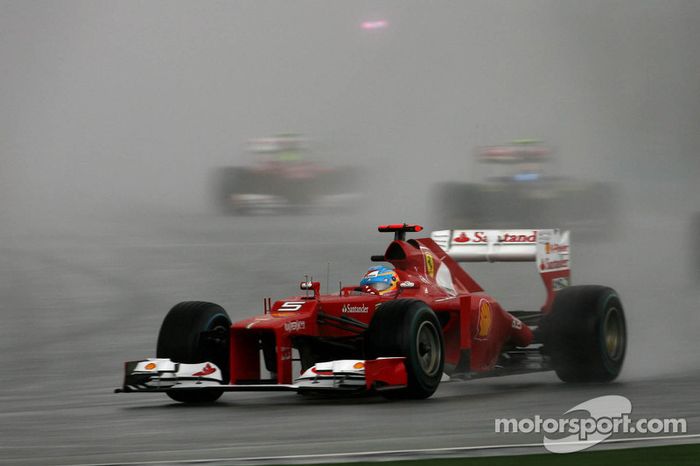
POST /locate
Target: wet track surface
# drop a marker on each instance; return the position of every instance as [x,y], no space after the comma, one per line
[76,303]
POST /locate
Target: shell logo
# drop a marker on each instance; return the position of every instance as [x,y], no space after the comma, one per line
[483,327]
[430,264]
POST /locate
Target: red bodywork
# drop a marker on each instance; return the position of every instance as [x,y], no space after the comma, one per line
[476,328]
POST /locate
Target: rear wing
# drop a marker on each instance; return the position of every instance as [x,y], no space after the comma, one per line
[524,152]
[550,249]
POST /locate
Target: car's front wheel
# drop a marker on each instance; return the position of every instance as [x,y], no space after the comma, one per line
[192,332]
[409,328]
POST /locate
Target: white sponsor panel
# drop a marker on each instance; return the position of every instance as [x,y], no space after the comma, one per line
[205,369]
[166,374]
[333,374]
[553,255]
[155,365]
[352,366]
[476,237]
[549,248]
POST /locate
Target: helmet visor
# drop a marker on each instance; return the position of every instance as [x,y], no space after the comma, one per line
[380,286]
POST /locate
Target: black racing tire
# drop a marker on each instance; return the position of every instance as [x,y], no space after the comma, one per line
[585,334]
[181,339]
[223,182]
[410,329]
[226,182]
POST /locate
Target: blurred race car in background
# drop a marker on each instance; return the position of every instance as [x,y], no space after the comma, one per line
[283,179]
[523,194]
[401,333]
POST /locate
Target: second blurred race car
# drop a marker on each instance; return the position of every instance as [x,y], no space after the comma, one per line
[523,195]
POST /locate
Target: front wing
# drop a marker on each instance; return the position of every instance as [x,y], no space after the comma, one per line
[163,375]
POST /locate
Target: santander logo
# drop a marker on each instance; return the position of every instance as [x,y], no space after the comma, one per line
[462,238]
[206,370]
[348,309]
[480,237]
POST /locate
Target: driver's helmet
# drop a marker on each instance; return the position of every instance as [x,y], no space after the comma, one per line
[380,279]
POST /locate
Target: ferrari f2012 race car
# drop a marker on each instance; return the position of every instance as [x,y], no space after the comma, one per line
[429,322]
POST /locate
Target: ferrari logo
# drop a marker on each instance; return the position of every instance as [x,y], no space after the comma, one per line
[430,265]
[483,326]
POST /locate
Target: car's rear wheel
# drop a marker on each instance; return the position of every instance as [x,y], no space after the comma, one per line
[585,335]
[409,328]
[192,332]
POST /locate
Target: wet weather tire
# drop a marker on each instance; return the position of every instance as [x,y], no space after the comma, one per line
[585,334]
[409,328]
[192,332]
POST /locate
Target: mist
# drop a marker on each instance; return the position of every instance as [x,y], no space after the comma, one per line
[108,105]
[114,113]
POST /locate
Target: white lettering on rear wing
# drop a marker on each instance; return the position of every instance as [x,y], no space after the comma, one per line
[549,248]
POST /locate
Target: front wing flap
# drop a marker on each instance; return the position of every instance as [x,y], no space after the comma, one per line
[160,375]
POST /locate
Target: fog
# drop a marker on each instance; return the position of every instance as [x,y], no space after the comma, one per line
[115,104]
[114,113]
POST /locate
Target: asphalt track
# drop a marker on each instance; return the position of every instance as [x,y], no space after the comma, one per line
[78,300]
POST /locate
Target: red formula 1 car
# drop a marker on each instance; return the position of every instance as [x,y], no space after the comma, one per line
[437,324]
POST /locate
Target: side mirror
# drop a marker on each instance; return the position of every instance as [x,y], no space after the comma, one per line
[315,287]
